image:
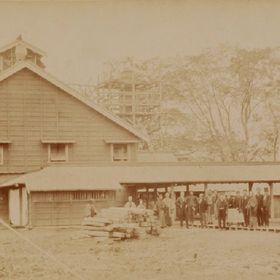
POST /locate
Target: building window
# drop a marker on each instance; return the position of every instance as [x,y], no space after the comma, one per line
[1,154]
[120,152]
[58,152]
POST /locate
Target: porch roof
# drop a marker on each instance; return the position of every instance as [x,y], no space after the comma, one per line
[112,176]
[64,179]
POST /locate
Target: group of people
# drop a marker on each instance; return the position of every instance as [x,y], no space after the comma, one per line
[247,209]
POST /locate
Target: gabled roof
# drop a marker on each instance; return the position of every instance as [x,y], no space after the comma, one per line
[42,73]
[20,41]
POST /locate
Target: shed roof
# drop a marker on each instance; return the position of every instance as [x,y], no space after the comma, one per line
[65,178]
[45,75]
[112,177]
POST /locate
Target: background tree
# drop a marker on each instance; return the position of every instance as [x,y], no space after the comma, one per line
[221,105]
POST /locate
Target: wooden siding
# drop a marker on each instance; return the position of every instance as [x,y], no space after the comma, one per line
[66,208]
[32,109]
[4,206]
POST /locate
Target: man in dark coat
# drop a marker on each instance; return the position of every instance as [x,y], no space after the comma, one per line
[222,207]
[192,206]
[181,209]
[160,206]
[266,207]
[167,203]
[237,201]
[259,198]
[252,207]
[244,208]
[202,209]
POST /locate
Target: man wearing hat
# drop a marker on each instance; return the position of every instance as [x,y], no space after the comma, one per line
[266,207]
[182,209]
[253,208]
[244,208]
[202,209]
[259,198]
[222,208]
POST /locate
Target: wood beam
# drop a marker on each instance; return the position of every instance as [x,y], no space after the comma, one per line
[205,188]
[20,206]
[250,186]
[147,194]
[187,189]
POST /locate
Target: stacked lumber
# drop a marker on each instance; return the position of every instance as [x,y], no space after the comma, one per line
[121,223]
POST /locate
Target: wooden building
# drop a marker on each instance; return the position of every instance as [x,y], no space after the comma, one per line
[44,122]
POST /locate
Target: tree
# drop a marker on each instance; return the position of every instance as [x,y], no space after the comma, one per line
[221,105]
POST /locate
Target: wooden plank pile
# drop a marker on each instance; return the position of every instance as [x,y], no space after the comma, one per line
[121,223]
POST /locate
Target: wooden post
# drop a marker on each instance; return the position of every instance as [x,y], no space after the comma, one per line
[29,201]
[205,188]
[1,63]
[250,186]
[147,194]
[20,206]
[272,200]
[187,189]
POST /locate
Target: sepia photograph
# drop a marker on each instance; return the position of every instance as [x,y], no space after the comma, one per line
[140,140]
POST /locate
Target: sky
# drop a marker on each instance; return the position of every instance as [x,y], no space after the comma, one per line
[79,37]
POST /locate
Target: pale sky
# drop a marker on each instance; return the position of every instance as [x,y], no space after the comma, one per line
[80,36]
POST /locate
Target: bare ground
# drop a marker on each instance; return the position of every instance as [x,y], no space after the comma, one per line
[176,254]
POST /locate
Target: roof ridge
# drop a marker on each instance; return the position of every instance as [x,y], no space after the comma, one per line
[28,45]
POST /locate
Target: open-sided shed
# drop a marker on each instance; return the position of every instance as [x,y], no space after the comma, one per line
[57,195]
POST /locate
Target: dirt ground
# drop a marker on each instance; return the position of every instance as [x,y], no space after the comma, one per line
[176,254]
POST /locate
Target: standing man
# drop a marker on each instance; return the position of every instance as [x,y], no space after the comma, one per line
[192,206]
[266,207]
[172,207]
[244,208]
[259,198]
[237,201]
[202,209]
[253,209]
[130,203]
[181,204]
[238,207]
[167,202]
[215,198]
[222,207]
[160,206]
[210,207]
[141,204]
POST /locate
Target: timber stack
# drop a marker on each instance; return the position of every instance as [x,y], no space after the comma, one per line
[121,223]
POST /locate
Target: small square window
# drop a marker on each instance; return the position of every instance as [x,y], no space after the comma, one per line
[58,152]
[120,152]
